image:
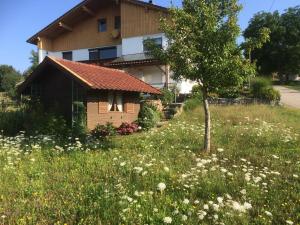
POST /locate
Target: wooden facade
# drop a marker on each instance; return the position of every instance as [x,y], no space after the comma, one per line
[98,113]
[86,34]
[136,20]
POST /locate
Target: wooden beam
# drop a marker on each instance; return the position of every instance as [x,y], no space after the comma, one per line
[88,11]
[61,24]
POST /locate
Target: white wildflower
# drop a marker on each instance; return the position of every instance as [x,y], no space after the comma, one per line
[215,207]
[243,191]
[268,213]
[247,205]
[166,169]
[220,150]
[161,187]
[289,222]
[167,220]
[202,214]
[220,199]
[186,201]
[138,169]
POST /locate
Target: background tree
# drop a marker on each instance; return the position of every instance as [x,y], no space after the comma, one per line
[202,47]
[282,53]
[9,82]
[34,60]
[9,77]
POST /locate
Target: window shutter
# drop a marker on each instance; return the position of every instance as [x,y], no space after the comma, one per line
[103,103]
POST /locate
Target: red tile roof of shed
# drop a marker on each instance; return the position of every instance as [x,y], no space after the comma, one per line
[102,78]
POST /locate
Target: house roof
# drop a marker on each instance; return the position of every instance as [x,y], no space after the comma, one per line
[78,13]
[133,60]
[93,77]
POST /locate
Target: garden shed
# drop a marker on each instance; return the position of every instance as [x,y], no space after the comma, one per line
[108,95]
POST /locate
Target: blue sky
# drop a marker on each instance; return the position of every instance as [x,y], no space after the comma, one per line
[20,19]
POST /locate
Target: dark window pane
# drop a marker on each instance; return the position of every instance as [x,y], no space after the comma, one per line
[94,54]
[157,41]
[108,53]
[102,26]
[117,22]
[67,55]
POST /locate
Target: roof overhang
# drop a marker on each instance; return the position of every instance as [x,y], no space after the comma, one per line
[48,61]
[83,10]
[91,77]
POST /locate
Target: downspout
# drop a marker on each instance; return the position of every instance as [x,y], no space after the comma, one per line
[72,104]
[167,76]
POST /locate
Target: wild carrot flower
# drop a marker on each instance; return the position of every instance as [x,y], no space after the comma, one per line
[161,187]
[167,220]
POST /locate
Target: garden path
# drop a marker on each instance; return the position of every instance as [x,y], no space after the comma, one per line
[289,97]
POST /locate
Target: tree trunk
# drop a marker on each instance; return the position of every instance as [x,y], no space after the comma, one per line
[207,122]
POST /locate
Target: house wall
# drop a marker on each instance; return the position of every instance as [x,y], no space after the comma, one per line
[149,74]
[155,76]
[98,100]
[78,54]
[85,34]
[138,20]
[56,91]
[135,45]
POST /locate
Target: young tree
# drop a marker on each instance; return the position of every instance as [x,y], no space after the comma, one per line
[202,47]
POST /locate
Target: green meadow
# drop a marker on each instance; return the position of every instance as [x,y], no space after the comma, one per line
[252,176]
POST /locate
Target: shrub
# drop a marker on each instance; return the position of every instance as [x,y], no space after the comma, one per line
[196,92]
[127,128]
[232,92]
[258,85]
[101,131]
[148,116]
[270,94]
[261,88]
[167,96]
[11,122]
[192,103]
[79,128]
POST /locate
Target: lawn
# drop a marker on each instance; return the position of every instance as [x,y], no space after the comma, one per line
[161,176]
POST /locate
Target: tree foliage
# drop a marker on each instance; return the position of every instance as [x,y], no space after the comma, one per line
[34,60]
[202,47]
[282,53]
[9,77]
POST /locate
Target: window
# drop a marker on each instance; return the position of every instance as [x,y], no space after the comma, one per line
[117,22]
[102,25]
[94,54]
[108,53]
[157,41]
[68,55]
[115,102]
[103,53]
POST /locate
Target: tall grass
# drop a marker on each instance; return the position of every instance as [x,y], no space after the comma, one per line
[252,176]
